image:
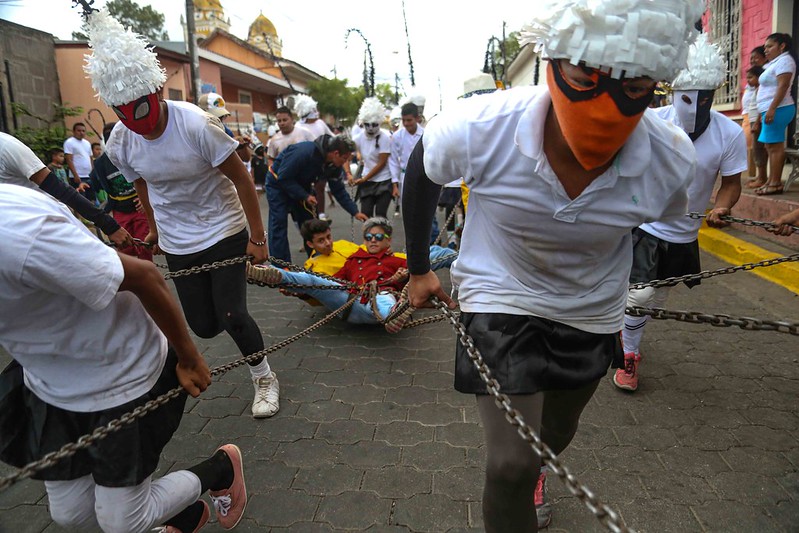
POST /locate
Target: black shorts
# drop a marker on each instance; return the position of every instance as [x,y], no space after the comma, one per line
[654,258]
[527,354]
[31,428]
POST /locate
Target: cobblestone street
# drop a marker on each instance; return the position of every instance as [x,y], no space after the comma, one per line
[372,436]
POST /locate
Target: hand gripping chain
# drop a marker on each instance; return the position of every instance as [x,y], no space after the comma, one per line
[742,221]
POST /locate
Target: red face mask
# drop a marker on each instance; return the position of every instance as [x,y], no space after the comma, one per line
[140,116]
[595,120]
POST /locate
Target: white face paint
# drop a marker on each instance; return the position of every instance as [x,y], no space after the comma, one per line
[371,129]
[685,104]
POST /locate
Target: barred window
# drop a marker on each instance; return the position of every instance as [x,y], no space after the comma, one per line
[725,30]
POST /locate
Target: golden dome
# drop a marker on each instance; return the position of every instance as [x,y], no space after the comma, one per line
[207,4]
[261,25]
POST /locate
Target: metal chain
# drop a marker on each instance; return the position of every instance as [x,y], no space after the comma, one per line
[102,432]
[208,267]
[606,516]
[743,221]
[705,274]
[439,239]
[721,321]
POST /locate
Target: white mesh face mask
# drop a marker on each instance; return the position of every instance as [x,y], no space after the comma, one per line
[685,106]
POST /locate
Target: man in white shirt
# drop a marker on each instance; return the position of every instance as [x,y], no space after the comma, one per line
[559,175]
[666,249]
[288,134]
[198,196]
[402,144]
[78,153]
[93,339]
[306,109]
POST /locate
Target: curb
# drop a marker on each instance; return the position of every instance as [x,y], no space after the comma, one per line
[738,251]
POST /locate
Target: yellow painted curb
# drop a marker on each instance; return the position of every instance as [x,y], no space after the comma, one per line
[738,251]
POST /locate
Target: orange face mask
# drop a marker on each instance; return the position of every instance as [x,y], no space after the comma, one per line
[595,120]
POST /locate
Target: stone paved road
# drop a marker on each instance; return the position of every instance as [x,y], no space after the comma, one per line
[371,435]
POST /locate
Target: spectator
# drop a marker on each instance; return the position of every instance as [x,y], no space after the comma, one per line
[402,144]
[214,103]
[259,168]
[123,201]
[97,151]
[785,222]
[757,156]
[78,153]
[776,106]
[374,147]
[287,135]
[57,167]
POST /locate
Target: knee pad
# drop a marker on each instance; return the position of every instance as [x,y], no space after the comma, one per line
[640,297]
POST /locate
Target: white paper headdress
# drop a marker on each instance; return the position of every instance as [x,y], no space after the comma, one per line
[706,70]
[637,37]
[414,98]
[122,67]
[304,105]
[372,111]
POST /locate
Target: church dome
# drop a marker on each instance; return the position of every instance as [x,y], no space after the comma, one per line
[261,25]
[207,4]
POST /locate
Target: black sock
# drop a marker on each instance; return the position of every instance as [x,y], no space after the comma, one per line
[188,519]
[215,473]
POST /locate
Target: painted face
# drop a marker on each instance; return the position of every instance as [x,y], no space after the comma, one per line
[693,110]
[372,129]
[140,116]
[596,113]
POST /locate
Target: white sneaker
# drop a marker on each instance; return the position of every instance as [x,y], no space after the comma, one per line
[322,216]
[267,396]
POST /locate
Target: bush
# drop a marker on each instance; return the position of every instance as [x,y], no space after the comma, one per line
[52,135]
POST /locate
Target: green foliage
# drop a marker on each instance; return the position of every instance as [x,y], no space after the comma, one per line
[385,93]
[51,135]
[335,98]
[511,45]
[142,20]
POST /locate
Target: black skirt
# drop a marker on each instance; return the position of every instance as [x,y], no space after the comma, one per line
[654,258]
[527,354]
[31,428]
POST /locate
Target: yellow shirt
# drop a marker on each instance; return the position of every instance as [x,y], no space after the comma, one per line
[330,264]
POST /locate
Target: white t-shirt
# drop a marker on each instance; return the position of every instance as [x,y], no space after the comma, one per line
[84,345]
[195,205]
[720,149]
[317,128]
[402,144]
[17,162]
[527,248]
[81,151]
[782,64]
[279,142]
[370,149]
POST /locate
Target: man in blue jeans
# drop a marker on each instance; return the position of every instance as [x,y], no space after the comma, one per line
[290,182]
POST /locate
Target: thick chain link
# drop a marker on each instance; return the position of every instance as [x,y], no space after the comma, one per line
[102,432]
[720,321]
[742,221]
[207,268]
[606,516]
[440,238]
[705,274]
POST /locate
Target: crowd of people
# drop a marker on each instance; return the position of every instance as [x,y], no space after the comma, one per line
[576,189]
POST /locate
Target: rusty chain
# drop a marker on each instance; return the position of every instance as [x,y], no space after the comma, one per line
[101,432]
[742,221]
[720,321]
[440,238]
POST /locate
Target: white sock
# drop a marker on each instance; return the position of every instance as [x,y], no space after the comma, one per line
[261,370]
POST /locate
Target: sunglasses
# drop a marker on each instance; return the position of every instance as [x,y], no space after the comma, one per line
[371,124]
[374,236]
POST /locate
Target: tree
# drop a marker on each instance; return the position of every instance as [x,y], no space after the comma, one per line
[142,20]
[335,98]
[385,93]
[511,46]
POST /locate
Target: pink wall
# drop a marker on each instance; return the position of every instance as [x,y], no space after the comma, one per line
[755,27]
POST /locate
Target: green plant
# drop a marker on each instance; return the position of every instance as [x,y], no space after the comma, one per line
[51,135]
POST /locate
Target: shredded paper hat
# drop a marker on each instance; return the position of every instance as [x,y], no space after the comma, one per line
[637,37]
[304,105]
[414,98]
[372,111]
[396,113]
[706,68]
[122,67]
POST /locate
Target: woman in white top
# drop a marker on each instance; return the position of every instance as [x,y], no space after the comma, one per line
[776,106]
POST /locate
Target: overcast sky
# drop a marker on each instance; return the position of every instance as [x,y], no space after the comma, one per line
[448,37]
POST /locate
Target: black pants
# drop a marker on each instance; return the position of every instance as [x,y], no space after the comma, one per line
[375,198]
[216,301]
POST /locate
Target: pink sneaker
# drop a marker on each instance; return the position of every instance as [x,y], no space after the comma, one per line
[543,509]
[229,503]
[203,520]
[627,378]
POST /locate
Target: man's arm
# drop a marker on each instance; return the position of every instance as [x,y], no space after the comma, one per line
[71,166]
[293,161]
[420,198]
[340,193]
[144,202]
[235,170]
[65,194]
[726,197]
[143,279]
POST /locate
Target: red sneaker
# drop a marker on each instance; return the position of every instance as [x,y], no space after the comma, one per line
[543,509]
[229,503]
[627,378]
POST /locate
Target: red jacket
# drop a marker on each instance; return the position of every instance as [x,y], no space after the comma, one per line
[363,267]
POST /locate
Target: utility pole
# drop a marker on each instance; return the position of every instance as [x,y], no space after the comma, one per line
[193,57]
[504,58]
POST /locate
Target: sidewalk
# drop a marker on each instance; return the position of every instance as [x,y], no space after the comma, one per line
[371,435]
